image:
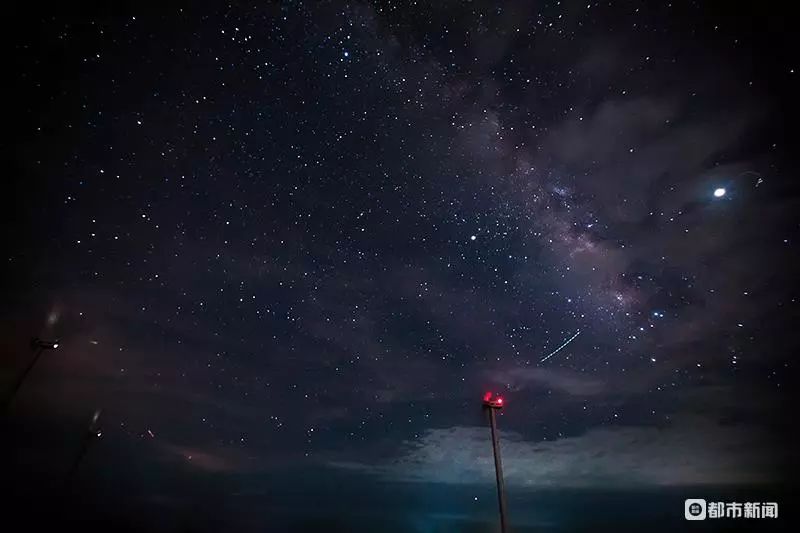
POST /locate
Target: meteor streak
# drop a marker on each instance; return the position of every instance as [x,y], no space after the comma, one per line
[551,354]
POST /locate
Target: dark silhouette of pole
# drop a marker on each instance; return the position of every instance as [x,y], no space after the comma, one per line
[495,403]
[39,346]
[92,432]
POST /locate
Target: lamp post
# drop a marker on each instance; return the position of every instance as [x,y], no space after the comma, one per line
[93,432]
[39,346]
[492,403]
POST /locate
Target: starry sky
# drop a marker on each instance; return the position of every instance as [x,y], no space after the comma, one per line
[286,247]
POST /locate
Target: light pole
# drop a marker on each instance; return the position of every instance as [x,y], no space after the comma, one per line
[39,346]
[493,402]
[93,432]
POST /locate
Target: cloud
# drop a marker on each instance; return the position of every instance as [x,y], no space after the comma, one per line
[691,451]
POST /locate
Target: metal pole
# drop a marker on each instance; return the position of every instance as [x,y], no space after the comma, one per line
[22,377]
[91,434]
[498,470]
[73,469]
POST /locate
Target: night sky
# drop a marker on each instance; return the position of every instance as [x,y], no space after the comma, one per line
[286,248]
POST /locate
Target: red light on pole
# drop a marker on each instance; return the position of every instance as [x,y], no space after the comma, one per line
[493,403]
[492,400]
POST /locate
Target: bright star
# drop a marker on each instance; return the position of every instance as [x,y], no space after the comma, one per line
[719,192]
